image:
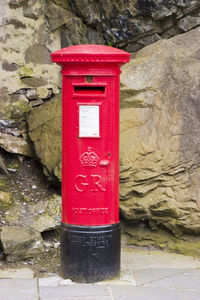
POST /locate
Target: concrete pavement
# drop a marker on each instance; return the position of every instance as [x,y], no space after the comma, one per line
[145,275]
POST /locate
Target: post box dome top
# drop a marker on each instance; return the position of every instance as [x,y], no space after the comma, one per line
[90,53]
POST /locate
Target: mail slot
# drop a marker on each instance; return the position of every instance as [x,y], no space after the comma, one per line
[90,229]
[89,90]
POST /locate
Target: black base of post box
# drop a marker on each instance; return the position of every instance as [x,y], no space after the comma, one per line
[90,253]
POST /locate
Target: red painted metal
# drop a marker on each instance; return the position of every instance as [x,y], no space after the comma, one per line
[90,138]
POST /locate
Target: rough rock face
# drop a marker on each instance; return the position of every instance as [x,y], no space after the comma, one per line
[30,30]
[4,199]
[27,77]
[160,130]
[13,137]
[25,61]
[45,132]
[160,135]
[26,197]
[160,161]
[129,24]
[142,236]
[20,243]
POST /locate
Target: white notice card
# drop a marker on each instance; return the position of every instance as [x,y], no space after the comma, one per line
[88,120]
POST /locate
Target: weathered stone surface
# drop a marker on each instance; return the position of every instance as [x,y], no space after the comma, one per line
[189,22]
[159,168]
[18,107]
[25,53]
[15,144]
[131,24]
[33,203]
[32,9]
[19,98]
[36,103]
[3,168]
[4,199]
[142,236]
[49,217]
[31,29]
[4,100]
[9,66]
[33,81]
[13,137]
[38,54]
[44,93]
[72,27]
[20,243]
[160,135]
[45,132]
[31,94]
[45,223]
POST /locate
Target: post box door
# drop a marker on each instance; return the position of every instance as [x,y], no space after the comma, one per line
[90,150]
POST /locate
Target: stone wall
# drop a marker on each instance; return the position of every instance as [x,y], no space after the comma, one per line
[160,125]
[160,135]
[31,29]
[160,130]
[133,24]
[27,77]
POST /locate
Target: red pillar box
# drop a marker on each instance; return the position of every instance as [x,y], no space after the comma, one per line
[90,231]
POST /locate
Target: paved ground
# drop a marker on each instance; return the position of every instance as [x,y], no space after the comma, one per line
[145,275]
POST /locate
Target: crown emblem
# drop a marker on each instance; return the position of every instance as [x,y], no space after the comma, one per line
[89,158]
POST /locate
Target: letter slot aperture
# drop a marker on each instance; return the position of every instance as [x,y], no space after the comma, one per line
[89,90]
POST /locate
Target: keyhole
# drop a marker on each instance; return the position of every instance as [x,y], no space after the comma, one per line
[89,78]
